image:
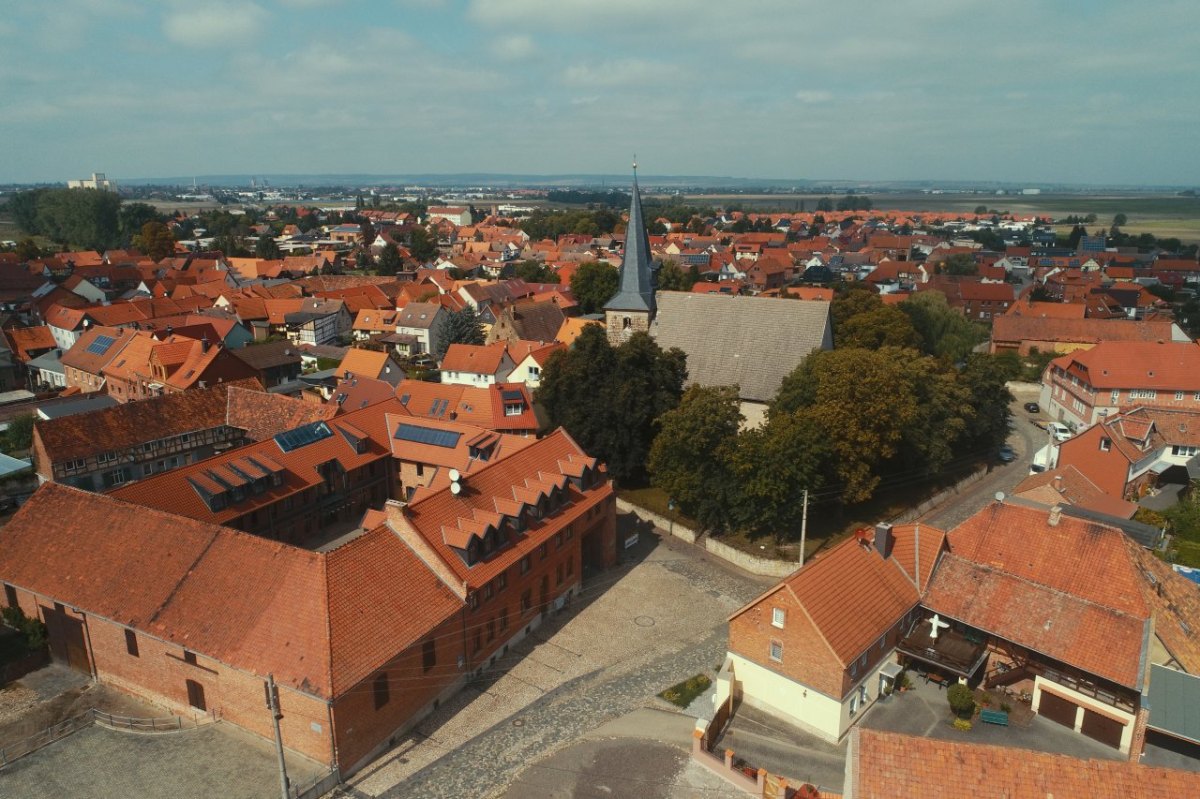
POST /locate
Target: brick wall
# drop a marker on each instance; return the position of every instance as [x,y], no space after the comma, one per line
[806,658]
[366,716]
[160,670]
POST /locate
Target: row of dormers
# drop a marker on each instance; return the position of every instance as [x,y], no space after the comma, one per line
[486,531]
[228,483]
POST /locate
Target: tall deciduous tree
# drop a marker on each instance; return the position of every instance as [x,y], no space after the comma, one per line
[944,332]
[594,284]
[861,402]
[266,248]
[885,326]
[960,263]
[692,455]
[460,327]
[534,272]
[389,259]
[774,465]
[422,245]
[155,240]
[672,277]
[609,399]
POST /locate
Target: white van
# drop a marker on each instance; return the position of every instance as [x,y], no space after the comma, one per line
[1059,430]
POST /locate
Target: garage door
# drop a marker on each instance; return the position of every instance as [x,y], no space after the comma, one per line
[1102,728]
[1057,709]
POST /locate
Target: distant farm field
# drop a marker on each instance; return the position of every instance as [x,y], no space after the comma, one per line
[1162,215]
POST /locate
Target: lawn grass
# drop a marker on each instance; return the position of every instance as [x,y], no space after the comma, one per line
[1187,553]
[682,694]
[655,500]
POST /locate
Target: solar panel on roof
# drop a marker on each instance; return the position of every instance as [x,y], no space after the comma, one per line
[302,436]
[404,400]
[101,345]
[512,395]
[428,435]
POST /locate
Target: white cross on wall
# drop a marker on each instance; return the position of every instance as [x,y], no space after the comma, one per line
[935,622]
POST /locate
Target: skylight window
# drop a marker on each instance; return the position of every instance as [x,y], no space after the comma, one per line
[303,436]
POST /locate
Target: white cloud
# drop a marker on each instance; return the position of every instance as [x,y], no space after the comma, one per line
[626,72]
[214,23]
[514,48]
[814,96]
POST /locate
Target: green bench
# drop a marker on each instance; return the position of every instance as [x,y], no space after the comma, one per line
[994,717]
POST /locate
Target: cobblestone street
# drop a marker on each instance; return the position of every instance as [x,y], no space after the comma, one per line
[635,631]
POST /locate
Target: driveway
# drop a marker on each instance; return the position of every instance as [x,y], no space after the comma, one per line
[637,629]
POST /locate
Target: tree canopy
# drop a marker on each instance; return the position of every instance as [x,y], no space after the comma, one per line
[534,272]
[389,259]
[422,245]
[960,263]
[692,455]
[86,218]
[672,277]
[594,284]
[155,240]
[610,398]
[460,327]
[943,331]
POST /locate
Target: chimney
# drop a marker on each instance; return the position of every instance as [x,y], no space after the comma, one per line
[883,540]
[1058,483]
[170,331]
[204,345]
[1055,515]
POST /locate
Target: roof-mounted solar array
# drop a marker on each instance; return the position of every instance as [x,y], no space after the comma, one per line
[428,435]
[303,436]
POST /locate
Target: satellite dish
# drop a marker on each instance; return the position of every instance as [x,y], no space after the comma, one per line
[455,476]
[999,496]
[456,488]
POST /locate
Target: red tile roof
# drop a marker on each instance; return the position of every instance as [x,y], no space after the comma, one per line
[1069,486]
[319,622]
[484,360]
[854,596]
[28,342]
[1068,590]
[443,519]
[1164,366]
[886,765]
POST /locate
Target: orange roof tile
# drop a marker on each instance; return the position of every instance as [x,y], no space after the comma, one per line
[887,765]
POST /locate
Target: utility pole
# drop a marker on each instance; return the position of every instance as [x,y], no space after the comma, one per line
[273,706]
[804,527]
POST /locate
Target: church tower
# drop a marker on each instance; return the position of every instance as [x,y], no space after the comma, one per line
[632,309]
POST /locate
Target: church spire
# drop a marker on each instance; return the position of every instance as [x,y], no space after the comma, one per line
[636,290]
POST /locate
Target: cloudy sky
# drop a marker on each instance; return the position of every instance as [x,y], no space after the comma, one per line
[1085,91]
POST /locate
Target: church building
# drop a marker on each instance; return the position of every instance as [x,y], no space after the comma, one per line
[633,307]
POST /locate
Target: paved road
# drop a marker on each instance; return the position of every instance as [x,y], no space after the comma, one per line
[648,625]
[97,763]
[1025,439]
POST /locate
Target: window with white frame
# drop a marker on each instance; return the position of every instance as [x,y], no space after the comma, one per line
[1184,451]
[853,704]
[778,617]
[1142,393]
[777,651]
[1116,398]
[1179,396]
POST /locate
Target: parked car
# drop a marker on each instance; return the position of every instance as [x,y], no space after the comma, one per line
[1059,430]
[1032,407]
[1006,454]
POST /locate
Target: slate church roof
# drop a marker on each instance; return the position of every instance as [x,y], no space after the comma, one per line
[636,292]
[751,341]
